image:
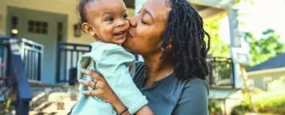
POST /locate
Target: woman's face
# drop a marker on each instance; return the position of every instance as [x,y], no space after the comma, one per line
[146,29]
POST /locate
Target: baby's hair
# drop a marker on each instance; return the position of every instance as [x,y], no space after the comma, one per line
[82,10]
[186,33]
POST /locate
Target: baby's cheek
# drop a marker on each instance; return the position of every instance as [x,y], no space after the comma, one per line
[127,23]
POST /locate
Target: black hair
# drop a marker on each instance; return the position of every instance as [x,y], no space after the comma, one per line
[186,34]
[82,10]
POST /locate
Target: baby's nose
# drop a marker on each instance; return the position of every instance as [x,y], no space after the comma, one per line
[122,23]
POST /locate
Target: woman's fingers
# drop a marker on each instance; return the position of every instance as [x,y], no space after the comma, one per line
[92,93]
[88,83]
[96,75]
[102,88]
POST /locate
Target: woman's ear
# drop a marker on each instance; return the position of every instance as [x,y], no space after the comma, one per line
[168,47]
[88,29]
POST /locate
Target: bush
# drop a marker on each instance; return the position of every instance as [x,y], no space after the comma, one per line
[215,108]
[266,103]
[241,109]
[272,103]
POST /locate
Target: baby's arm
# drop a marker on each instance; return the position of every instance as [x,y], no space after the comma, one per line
[114,65]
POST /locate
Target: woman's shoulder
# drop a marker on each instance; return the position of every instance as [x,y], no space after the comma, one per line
[196,82]
[197,85]
[193,98]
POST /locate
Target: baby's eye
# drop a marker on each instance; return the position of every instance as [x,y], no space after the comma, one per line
[125,16]
[110,19]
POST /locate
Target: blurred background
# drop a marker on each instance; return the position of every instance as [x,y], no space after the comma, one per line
[41,41]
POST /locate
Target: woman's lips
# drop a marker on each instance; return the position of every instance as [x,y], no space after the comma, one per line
[130,33]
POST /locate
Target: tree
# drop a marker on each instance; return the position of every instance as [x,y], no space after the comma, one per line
[220,67]
[264,48]
[239,1]
[218,48]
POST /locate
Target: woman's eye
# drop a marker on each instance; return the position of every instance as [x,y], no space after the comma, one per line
[110,19]
[143,22]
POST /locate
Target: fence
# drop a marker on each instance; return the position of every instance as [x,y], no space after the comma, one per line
[67,56]
[31,54]
[221,72]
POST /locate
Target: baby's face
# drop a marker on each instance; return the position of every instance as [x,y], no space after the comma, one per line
[109,20]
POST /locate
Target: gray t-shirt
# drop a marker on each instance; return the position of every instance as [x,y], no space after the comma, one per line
[172,96]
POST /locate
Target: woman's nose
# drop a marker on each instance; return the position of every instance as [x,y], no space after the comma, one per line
[133,22]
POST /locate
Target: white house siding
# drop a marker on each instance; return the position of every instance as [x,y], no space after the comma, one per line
[260,80]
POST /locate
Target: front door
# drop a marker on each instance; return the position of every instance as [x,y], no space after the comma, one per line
[42,27]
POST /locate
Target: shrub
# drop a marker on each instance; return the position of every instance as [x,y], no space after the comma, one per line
[271,103]
[241,109]
[266,103]
[215,108]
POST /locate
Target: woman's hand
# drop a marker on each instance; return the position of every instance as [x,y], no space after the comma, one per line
[102,90]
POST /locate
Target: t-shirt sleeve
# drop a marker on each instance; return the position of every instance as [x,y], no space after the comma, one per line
[114,60]
[114,65]
[194,98]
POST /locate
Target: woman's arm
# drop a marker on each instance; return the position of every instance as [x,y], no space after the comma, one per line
[120,107]
[194,98]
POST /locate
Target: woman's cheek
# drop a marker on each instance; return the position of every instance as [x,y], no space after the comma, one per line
[143,32]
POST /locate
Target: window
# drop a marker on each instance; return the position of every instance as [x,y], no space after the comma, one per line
[14,22]
[37,27]
[59,31]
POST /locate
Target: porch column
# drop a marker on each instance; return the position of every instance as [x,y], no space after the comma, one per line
[138,5]
[235,42]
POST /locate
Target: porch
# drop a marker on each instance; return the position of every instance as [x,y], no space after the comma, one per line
[31,54]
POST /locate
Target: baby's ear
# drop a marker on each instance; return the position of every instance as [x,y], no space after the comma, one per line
[88,29]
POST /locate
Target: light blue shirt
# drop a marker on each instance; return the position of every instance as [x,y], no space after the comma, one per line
[114,63]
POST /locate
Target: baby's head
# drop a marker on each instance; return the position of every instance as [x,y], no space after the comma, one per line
[105,20]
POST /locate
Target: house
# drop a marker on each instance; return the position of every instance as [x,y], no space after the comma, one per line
[268,71]
[54,25]
[53,40]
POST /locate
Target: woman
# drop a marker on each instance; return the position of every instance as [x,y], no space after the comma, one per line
[169,35]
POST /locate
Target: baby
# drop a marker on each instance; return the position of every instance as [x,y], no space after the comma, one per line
[107,22]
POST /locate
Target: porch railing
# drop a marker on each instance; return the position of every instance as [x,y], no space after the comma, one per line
[4,59]
[67,56]
[221,72]
[31,54]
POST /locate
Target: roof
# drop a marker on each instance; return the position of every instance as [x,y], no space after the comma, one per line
[275,62]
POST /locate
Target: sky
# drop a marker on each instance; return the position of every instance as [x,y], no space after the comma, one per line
[262,15]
